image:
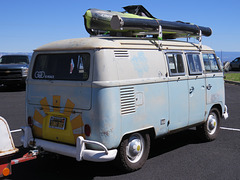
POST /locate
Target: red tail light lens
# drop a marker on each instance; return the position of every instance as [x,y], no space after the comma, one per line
[87,130]
[30,121]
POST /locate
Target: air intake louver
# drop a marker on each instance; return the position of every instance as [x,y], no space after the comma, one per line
[127,100]
[121,53]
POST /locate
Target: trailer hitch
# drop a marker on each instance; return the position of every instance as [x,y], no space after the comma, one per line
[8,149]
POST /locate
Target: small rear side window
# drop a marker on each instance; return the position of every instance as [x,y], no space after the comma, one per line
[210,63]
[175,64]
[194,64]
[70,66]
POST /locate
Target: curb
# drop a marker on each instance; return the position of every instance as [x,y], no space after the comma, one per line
[232,82]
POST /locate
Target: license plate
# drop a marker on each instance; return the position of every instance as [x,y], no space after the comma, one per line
[57,122]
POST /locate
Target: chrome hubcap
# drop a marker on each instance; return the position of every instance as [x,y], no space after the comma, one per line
[212,124]
[135,148]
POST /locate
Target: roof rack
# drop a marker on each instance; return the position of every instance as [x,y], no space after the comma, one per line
[138,22]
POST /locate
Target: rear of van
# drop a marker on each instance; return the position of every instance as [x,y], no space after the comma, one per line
[61,115]
[58,89]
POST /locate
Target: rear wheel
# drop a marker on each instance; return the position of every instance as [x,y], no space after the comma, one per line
[133,152]
[209,130]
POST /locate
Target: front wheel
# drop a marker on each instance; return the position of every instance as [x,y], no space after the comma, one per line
[133,152]
[209,130]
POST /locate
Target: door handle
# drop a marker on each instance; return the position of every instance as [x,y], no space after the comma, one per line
[191,90]
[209,86]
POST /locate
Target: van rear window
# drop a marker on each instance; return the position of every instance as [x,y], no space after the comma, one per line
[62,67]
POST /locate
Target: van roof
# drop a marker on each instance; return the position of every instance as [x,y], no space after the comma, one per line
[118,43]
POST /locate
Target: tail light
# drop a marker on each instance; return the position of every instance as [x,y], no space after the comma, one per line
[87,130]
[6,171]
[30,121]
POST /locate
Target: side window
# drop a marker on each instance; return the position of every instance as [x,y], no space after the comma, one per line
[194,64]
[235,60]
[210,63]
[206,62]
[175,64]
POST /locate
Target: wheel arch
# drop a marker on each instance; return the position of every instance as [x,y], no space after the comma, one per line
[209,130]
[148,130]
[219,108]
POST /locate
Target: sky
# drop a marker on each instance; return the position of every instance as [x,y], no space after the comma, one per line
[27,24]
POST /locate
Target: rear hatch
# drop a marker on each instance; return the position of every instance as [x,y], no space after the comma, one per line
[58,90]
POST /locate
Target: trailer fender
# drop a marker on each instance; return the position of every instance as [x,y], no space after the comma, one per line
[7,146]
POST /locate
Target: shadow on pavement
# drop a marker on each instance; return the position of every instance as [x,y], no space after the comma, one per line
[12,88]
[60,167]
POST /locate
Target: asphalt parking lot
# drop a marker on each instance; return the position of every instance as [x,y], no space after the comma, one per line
[178,156]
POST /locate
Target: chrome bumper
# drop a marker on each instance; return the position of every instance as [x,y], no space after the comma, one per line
[79,151]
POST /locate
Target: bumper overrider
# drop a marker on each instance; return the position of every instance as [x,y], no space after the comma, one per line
[79,151]
[225,114]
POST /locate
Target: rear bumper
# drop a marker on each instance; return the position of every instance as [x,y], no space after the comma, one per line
[79,151]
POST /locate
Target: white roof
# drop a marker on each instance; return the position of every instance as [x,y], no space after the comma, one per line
[118,43]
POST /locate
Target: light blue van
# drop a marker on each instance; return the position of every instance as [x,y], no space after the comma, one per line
[106,98]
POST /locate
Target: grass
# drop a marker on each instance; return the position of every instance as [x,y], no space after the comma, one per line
[232,77]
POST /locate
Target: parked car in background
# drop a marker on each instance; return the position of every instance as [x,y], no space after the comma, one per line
[13,69]
[235,64]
